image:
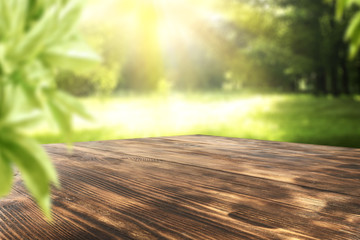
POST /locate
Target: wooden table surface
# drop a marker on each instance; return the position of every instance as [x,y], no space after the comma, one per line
[194,187]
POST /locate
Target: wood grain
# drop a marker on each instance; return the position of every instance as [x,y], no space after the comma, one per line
[193,187]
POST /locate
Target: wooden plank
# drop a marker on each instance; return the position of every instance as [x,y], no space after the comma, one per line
[194,187]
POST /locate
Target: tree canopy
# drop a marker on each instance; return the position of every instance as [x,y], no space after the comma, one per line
[282,45]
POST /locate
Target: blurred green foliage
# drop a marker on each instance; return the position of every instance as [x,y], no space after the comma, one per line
[37,38]
[279,45]
[353,31]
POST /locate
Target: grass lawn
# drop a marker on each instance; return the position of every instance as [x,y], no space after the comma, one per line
[291,118]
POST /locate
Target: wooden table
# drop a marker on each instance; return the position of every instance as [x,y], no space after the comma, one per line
[194,187]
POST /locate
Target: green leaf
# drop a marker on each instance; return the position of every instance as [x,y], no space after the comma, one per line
[34,165]
[353,31]
[5,65]
[5,13]
[73,105]
[60,116]
[18,14]
[6,101]
[353,50]
[6,173]
[73,56]
[340,8]
[35,40]
[68,17]
[31,94]
[25,120]
[35,152]
[353,35]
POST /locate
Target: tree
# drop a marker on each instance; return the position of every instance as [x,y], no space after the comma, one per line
[314,40]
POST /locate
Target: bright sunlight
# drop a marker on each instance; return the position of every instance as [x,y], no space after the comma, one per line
[162,37]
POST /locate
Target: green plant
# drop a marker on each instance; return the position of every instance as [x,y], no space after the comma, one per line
[352,34]
[37,37]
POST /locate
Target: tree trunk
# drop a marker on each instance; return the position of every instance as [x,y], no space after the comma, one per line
[345,76]
[334,78]
[320,85]
[334,56]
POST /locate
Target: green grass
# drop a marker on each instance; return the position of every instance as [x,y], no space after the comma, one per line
[291,118]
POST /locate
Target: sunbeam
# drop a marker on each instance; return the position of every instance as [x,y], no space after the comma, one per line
[168,40]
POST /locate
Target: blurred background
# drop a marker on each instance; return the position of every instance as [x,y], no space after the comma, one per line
[261,69]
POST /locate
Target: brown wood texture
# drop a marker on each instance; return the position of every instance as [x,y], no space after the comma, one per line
[194,187]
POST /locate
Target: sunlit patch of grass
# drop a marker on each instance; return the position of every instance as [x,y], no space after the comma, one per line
[293,118]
